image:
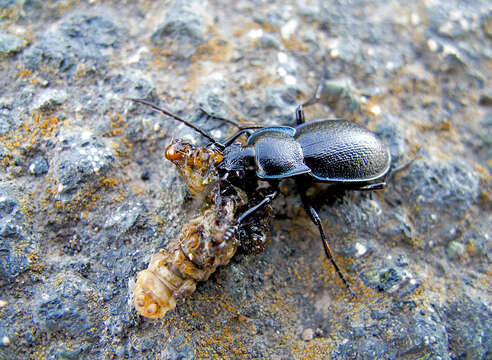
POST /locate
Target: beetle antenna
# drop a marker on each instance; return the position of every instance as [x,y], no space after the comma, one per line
[176,117]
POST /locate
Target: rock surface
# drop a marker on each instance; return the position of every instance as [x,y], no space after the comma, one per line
[86,196]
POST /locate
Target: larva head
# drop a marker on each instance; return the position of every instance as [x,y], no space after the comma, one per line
[151,296]
[178,151]
[197,166]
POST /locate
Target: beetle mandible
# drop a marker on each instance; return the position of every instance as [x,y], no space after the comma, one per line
[334,151]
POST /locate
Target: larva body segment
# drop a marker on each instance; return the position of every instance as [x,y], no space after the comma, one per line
[199,249]
[201,246]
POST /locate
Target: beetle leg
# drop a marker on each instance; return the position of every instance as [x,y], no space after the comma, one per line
[319,90]
[317,94]
[229,141]
[405,165]
[229,233]
[300,117]
[317,221]
[371,187]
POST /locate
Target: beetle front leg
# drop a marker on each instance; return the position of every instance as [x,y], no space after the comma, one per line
[317,221]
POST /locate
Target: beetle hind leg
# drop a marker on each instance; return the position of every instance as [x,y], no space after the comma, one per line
[300,117]
[328,252]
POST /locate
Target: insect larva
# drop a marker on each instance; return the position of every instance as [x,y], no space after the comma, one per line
[204,243]
[193,256]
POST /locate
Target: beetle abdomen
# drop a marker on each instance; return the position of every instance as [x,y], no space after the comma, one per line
[341,150]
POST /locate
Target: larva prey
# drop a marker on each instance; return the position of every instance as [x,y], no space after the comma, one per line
[193,256]
[205,242]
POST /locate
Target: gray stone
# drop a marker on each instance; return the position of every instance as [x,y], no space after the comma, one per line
[382,279]
[49,99]
[270,41]
[125,216]
[182,29]
[132,84]
[280,102]
[80,39]
[390,131]
[62,310]
[80,159]
[342,97]
[38,166]
[178,349]
[12,261]
[13,256]
[307,334]
[449,186]
[68,270]
[486,97]
[455,250]
[5,4]
[10,44]
[469,325]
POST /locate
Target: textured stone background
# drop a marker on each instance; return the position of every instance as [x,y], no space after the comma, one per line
[86,196]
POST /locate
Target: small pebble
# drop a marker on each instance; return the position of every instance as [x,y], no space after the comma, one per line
[5,341]
[455,250]
[3,303]
[308,334]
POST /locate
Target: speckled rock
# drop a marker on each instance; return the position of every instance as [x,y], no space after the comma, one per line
[14,244]
[62,311]
[39,166]
[182,29]
[81,158]
[81,39]
[86,195]
[10,44]
[451,187]
[49,99]
[125,216]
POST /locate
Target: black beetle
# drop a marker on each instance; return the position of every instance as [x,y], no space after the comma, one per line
[339,152]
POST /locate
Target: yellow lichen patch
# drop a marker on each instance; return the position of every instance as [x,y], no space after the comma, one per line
[294,44]
[34,265]
[316,349]
[216,50]
[160,61]
[118,125]
[24,73]
[109,182]
[32,133]
[470,246]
